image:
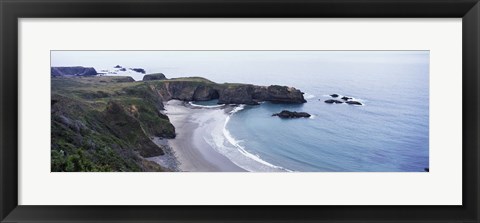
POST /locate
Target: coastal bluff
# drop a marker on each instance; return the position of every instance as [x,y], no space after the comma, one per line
[201,89]
[107,123]
[72,71]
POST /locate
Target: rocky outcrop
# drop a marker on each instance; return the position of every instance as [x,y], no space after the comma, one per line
[205,93]
[278,94]
[290,114]
[139,70]
[333,101]
[72,71]
[252,95]
[204,90]
[179,90]
[241,94]
[152,77]
[346,98]
[353,103]
[334,95]
[118,66]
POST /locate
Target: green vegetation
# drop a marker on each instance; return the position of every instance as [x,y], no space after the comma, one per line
[191,79]
[105,124]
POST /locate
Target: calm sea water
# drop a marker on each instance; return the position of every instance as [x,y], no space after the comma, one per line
[389,133]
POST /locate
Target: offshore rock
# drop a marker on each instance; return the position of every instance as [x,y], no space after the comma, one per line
[334,95]
[333,101]
[353,103]
[138,70]
[290,114]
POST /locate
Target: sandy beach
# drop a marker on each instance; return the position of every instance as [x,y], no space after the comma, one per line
[193,126]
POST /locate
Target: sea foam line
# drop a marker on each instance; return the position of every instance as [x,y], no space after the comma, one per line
[205,106]
[309,96]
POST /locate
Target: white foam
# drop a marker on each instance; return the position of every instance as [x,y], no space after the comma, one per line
[204,106]
[309,96]
[235,110]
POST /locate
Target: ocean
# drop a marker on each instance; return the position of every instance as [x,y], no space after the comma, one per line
[388,133]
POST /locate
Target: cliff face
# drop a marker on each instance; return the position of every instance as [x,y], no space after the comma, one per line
[201,90]
[251,94]
[72,71]
[105,123]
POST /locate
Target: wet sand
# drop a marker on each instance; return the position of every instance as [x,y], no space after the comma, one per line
[192,151]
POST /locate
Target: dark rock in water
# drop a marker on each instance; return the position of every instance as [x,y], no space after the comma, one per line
[152,77]
[346,98]
[333,101]
[139,70]
[72,71]
[334,95]
[290,114]
[118,66]
[427,169]
[123,69]
[353,103]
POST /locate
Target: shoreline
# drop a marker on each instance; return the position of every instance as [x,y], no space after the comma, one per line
[192,151]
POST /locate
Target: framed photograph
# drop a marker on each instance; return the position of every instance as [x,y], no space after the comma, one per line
[229,111]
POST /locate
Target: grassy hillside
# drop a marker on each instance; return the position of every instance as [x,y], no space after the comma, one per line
[105,124]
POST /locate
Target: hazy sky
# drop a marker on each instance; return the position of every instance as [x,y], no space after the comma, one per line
[213,63]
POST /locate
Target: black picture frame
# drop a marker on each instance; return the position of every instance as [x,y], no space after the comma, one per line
[12,10]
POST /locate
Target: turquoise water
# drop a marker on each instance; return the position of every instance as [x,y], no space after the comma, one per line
[389,133]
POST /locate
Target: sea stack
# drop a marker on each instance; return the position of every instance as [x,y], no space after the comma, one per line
[353,103]
[292,114]
[333,101]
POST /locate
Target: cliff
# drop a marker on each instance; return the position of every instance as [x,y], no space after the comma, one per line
[72,71]
[106,123]
[200,89]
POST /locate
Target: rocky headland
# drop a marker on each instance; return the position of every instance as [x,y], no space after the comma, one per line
[107,123]
[72,71]
[201,89]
